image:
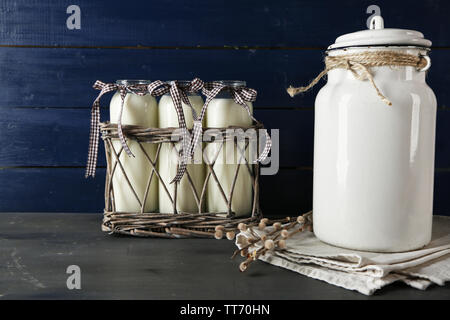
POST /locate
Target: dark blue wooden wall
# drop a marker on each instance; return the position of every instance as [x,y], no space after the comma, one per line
[46,73]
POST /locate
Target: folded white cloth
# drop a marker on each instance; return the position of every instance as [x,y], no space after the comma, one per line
[363,271]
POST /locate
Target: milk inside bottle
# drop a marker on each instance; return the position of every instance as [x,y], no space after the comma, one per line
[142,111]
[187,192]
[222,112]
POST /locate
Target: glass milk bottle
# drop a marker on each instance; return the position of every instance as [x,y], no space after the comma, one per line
[222,112]
[186,200]
[374,163]
[141,111]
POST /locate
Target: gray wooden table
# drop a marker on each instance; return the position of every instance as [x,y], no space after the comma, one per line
[37,248]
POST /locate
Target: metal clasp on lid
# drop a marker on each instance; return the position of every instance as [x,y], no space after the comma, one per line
[427,58]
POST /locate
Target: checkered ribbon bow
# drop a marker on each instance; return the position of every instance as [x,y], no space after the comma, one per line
[179,93]
[241,95]
[95,120]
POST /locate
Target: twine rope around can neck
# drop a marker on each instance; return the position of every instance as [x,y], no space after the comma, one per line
[360,63]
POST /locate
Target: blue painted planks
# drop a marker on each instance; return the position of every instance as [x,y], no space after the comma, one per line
[441,190]
[66,190]
[50,190]
[182,40]
[45,137]
[285,23]
[59,137]
[64,77]
[287,193]
[442,148]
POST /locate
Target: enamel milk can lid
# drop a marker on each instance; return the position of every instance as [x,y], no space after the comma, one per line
[377,35]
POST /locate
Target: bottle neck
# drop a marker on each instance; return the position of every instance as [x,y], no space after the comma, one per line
[126,82]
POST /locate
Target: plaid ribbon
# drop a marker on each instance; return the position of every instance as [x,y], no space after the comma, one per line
[240,95]
[179,93]
[95,120]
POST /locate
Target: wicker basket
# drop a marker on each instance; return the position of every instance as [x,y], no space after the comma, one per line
[174,224]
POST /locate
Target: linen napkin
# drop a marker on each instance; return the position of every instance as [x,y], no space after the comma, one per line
[363,271]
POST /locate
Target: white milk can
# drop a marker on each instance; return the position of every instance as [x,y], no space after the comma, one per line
[374,142]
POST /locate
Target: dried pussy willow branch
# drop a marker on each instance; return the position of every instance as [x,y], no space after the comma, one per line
[283,229]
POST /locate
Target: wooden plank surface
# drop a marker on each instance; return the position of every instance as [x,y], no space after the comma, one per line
[178,23]
[37,248]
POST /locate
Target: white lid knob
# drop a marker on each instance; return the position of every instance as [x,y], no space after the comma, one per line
[376,22]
